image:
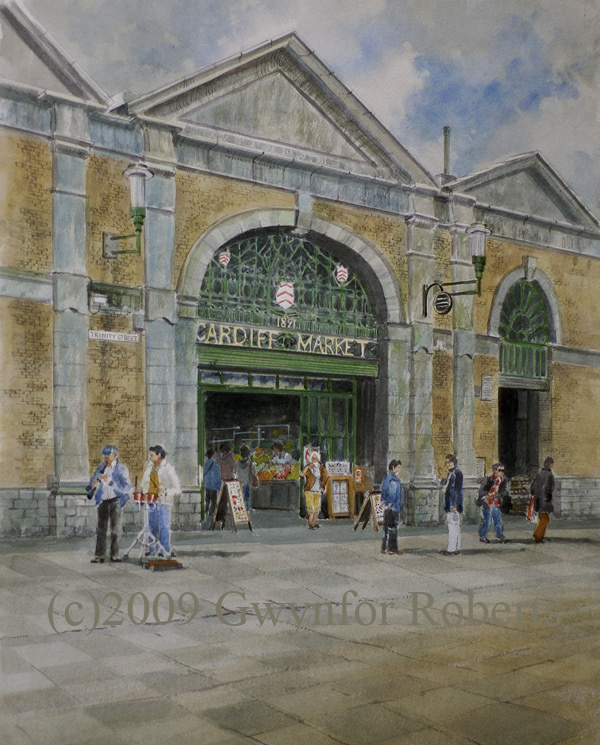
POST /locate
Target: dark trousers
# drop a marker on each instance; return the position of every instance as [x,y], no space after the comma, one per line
[109,512]
[303,510]
[391,518]
[211,500]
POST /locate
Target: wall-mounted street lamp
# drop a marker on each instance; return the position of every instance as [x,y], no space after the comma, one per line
[138,174]
[443,300]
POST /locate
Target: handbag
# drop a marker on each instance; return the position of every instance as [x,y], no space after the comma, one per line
[531,513]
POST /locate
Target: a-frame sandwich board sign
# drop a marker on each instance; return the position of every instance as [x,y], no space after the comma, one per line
[371,509]
[231,502]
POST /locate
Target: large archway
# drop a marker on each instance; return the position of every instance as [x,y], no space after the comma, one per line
[291,323]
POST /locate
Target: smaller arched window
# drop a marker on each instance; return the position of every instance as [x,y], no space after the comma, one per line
[525,330]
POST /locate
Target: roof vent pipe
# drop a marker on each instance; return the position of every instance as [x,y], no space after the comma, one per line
[446,176]
[446,151]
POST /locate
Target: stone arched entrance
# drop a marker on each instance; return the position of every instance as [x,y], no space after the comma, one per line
[280,348]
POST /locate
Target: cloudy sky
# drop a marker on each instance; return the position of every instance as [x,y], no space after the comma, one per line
[508,76]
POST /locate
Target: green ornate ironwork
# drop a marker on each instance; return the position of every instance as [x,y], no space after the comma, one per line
[242,289]
[525,330]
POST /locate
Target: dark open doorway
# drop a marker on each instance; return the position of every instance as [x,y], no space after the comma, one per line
[519,430]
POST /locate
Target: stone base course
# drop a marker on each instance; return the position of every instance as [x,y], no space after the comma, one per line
[38,512]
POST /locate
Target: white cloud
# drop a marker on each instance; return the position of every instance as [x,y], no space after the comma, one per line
[386,88]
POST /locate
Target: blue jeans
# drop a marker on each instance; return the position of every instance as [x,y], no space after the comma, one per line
[246,488]
[159,519]
[494,513]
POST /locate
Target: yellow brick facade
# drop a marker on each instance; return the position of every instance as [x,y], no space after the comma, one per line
[575,407]
[203,200]
[485,431]
[442,242]
[108,212]
[26,414]
[388,232]
[116,394]
[442,428]
[26,204]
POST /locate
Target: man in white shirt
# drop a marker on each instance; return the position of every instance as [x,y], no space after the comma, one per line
[160,479]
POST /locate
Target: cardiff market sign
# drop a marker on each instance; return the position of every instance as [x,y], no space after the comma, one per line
[253,337]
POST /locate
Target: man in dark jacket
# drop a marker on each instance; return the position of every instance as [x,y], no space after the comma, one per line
[492,493]
[453,504]
[542,488]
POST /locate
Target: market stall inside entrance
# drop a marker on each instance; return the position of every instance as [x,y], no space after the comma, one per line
[260,421]
[318,412]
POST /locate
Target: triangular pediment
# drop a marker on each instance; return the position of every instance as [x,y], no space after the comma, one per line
[280,100]
[526,184]
[263,109]
[30,57]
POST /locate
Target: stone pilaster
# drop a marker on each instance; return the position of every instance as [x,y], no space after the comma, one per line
[464,353]
[423,497]
[70,283]
[399,397]
[187,398]
[161,311]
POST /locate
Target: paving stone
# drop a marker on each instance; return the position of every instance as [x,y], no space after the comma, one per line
[48,655]
[12,683]
[382,685]
[298,734]
[103,644]
[276,684]
[505,724]
[365,725]
[590,737]
[438,705]
[198,702]
[180,729]
[304,704]
[69,728]
[37,700]
[573,702]
[429,736]
[583,668]
[249,718]
[509,686]
[128,713]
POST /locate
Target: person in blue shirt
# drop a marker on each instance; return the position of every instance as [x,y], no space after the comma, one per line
[110,488]
[391,498]
[212,481]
